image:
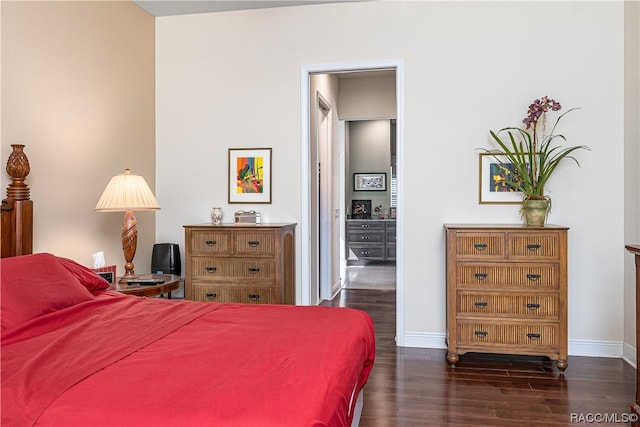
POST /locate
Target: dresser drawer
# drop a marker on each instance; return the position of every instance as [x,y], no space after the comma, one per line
[212,269]
[533,246]
[497,304]
[239,294]
[211,242]
[529,335]
[254,243]
[480,245]
[507,276]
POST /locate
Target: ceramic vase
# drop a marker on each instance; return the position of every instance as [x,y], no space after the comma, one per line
[216,216]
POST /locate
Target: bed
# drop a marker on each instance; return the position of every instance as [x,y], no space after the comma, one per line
[76,354]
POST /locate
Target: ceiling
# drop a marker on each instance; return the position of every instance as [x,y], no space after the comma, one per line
[185,7]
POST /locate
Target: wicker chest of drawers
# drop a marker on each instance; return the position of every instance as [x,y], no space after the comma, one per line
[507,290]
[253,264]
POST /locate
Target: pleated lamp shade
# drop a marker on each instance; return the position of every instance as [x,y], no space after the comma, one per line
[127,192]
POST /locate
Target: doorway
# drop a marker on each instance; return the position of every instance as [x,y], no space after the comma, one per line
[310,264]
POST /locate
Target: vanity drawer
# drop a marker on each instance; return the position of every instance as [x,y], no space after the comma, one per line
[365,225]
[355,252]
[365,237]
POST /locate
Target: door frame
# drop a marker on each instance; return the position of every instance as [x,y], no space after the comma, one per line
[305,179]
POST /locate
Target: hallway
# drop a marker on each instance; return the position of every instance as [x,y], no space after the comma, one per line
[377,276]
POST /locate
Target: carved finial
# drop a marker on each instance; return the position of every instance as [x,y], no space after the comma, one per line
[18,168]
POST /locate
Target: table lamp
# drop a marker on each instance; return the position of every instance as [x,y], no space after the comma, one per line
[126,193]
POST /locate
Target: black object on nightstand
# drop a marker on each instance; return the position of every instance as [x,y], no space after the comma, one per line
[165,259]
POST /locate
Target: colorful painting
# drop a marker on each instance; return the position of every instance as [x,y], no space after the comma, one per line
[250,175]
[495,172]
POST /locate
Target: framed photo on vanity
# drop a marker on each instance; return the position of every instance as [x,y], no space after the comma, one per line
[361,209]
[249,175]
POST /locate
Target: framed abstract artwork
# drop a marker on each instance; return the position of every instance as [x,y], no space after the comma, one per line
[372,181]
[249,175]
[495,170]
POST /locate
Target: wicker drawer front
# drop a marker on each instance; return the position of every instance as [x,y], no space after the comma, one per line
[487,276]
[240,294]
[480,245]
[238,268]
[527,246]
[495,304]
[526,335]
[254,243]
[211,242]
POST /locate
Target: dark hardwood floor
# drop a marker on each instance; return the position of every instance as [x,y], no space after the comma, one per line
[416,387]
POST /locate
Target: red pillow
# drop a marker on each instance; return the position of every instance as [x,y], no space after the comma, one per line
[33,285]
[85,276]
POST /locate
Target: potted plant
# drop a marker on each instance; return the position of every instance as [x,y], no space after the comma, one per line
[532,156]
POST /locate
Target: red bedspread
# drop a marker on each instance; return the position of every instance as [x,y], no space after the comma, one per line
[126,361]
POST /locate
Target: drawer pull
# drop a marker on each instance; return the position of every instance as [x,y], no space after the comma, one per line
[211,295]
[211,269]
[480,275]
[533,336]
[533,306]
[481,334]
[254,270]
[533,277]
[210,242]
[364,237]
[254,297]
[364,253]
[365,226]
[253,243]
[480,246]
[480,304]
[533,247]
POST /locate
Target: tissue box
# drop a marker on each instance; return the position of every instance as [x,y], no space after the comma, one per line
[108,272]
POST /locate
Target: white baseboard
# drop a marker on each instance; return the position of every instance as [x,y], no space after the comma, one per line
[629,355]
[592,348]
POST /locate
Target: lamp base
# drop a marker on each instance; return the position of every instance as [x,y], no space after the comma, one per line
[129,243]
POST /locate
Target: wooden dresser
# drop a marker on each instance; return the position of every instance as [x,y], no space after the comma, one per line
[635,406]
[370,240]
[507,290]
[252,264]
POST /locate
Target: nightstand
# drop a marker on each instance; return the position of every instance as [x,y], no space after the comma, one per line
[171,283]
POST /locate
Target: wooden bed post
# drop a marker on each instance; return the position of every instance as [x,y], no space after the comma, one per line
[16,227]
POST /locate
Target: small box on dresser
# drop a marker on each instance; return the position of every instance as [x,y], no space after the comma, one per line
[507,290]
[253,264]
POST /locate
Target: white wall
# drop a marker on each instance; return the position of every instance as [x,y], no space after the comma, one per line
[233,80]
[78,90]
[369,151]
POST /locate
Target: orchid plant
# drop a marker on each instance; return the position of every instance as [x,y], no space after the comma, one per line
[531,151]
